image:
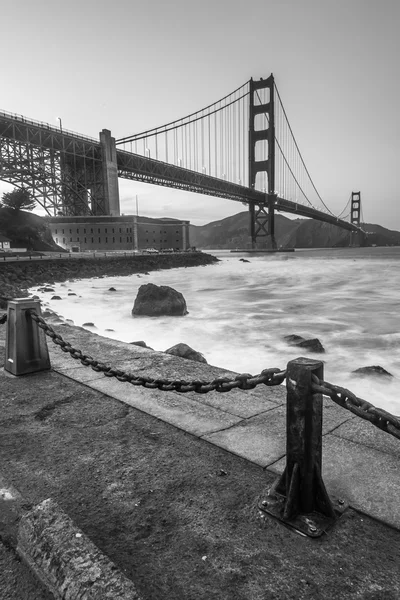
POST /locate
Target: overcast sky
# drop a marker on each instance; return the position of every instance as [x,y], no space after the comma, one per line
[130,65]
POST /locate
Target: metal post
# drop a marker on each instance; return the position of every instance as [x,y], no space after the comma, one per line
[26,347]
[298,497]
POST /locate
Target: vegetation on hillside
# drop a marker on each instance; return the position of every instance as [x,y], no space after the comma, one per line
[18,199]
[26,230]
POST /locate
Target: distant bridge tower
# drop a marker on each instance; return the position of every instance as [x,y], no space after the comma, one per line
[262,217]
[355,214]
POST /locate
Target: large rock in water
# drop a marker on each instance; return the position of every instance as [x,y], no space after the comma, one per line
[185,351]
[374,370]
[313,345]
[154,301]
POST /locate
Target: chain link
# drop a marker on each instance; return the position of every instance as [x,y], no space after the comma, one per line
[3,319]
[346,399]
[245,381]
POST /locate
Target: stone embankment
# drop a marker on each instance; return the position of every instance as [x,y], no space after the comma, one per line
[17,277]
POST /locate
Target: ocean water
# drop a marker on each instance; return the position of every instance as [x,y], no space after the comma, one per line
[239,312]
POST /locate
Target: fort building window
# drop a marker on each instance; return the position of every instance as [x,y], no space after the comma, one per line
[113,239]
[105,231]
[63,240]
[63,230]
[70,239]
[55,231]
[113,230]
[99,240]
[92,240]
[84,231]
[77,231]
[84,240]
[91,231]
[98,231]
[70,230]
[106,239]
[56,240]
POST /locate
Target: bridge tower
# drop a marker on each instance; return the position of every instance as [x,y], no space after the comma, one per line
[262,216]
[355,214]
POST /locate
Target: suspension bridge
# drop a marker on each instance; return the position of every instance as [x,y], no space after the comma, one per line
[240,148]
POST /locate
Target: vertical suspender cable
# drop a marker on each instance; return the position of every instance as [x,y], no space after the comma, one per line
[209,144]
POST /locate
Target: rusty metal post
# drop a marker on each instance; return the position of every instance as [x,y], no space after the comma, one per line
[26,346]
[298,497]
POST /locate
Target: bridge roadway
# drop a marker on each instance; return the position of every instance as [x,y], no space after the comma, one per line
[23,131]
[139,168]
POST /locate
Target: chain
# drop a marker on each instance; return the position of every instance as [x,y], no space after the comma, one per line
[245,381]
[3,319]
[346,399]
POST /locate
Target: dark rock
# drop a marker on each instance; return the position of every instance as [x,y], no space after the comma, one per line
[293,340]
[88,325]
[48,289]
[374,370]
[71,294]
[110,330]
[141,343]
[185,351]
[243,260]
[112,289]
[153,301]
[313,345]
[56,298]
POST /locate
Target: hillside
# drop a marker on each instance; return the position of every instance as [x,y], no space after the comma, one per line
[26,230]
[234,232]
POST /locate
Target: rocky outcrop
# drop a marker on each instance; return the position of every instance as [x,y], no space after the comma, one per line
[159,300]
[185,351]
[374,371]
[312,345]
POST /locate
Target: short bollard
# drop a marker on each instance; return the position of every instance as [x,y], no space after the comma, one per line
[26,346]
[298,498]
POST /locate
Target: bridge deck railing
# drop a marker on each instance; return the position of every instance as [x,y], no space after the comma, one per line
[44,125]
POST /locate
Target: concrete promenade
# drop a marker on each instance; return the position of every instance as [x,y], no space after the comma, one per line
[360,462]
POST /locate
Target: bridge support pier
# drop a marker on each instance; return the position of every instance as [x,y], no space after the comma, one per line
[262,224]
[110,173]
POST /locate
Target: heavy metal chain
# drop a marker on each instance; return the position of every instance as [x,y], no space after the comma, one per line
[245,381]
[3,319]
[346,399]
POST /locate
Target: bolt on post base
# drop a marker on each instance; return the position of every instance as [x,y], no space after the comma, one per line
[313,524]
[299,498]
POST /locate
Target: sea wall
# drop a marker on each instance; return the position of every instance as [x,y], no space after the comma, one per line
[16,277]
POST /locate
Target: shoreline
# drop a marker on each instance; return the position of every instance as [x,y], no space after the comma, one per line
[17,277]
